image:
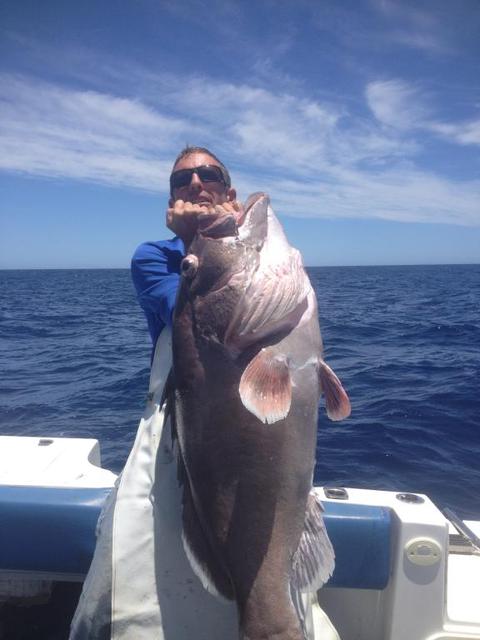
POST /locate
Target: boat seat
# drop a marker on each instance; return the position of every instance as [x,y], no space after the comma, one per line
[50,530]
[361,538]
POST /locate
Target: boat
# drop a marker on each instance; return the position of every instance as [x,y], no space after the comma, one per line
[405,570]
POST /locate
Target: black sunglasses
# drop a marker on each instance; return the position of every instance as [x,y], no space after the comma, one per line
[206,173]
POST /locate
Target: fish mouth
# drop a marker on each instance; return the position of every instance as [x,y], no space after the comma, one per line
[212,225]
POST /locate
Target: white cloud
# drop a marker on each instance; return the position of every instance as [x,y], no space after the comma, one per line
[50,131]
[316,159]
[404,107]
[415,27]
[428,42]
[396,104]
[279,130]
[465,133]
[402,195]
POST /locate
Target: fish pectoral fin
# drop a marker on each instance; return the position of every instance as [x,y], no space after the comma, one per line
[199,552]
[266,387]
[336,398]
[314,559]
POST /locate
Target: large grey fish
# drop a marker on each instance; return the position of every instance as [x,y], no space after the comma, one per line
[248,375]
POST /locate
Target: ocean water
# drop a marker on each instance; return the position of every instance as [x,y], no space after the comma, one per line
[75,355]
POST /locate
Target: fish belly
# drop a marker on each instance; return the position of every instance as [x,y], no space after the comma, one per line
[247,488]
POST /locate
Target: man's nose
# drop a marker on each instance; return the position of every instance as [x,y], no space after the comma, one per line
[195,182]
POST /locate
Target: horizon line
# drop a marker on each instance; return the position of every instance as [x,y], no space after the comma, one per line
[319,266]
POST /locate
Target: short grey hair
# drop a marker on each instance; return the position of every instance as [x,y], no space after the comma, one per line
[188,150]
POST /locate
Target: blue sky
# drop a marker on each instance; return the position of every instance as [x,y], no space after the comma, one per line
[361,119]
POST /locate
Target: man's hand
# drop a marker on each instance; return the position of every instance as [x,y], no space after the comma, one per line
[182,218]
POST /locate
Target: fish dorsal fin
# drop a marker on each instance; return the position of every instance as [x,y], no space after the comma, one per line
[336,398]
[314,560]
[253,198]
[266,387]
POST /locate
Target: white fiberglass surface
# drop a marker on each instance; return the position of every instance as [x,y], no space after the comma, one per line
[463,580]
[45,461]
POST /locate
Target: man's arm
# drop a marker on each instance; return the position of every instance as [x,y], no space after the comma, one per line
[156,265]
[156,275]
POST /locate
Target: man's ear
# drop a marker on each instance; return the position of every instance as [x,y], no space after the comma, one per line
[231,194]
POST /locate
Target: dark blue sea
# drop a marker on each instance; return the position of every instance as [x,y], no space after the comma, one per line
[75,355]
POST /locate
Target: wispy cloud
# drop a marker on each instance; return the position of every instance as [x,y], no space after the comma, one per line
[467,133]
[404,106]
[404,195]
[414,26]
[419,39]
[396,103]
[316,159]
[51,131]
[384,25]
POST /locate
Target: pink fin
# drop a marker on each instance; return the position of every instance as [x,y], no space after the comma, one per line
[336,399]
[266,387]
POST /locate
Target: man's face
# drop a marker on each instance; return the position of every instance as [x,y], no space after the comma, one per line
[198,192]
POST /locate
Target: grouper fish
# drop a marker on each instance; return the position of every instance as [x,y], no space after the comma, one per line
[248,374]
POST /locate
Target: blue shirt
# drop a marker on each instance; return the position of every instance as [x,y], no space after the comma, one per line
[156,276]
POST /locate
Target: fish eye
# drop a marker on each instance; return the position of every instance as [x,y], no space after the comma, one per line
[189,266]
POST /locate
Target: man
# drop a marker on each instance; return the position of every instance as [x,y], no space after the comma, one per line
[141,585]
[199,183]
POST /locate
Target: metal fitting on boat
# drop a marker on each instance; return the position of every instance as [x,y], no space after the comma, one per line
[411,498]
[335,493]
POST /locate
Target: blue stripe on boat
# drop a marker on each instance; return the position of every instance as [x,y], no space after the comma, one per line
[361,538]
[48,529]
[52,530]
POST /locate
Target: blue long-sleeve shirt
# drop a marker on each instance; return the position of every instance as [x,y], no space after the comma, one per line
[156,275]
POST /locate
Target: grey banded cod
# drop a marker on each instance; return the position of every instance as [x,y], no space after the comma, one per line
[248,375]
